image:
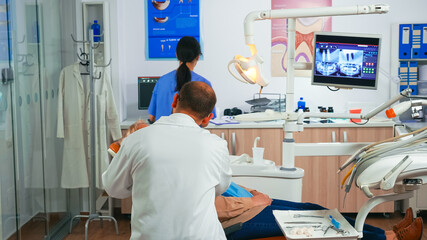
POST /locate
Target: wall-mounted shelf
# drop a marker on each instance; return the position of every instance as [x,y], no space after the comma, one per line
[412,53]
[98,11]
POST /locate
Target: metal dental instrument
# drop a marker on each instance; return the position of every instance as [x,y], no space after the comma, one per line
[343,233]
[302,222]
[302,215]
[316,227]
[326,230]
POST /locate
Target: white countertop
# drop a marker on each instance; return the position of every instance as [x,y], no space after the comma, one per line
[374,122]
[313,124]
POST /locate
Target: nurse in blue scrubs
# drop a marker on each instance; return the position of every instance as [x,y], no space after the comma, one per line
[188,53]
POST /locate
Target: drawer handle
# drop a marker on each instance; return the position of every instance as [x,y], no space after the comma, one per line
[223,135]
[344,136]
[333,137]
[233,143]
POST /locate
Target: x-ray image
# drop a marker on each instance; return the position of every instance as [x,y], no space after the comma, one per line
[334,62]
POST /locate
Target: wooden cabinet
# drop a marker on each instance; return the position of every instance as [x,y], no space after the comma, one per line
[127,205]
[321,183]
[241,140]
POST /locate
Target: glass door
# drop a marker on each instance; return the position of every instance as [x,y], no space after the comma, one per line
[32,204]
[7,177]
[51,50]
[25,125]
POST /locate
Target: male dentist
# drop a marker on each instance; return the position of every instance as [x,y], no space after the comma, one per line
[173,170]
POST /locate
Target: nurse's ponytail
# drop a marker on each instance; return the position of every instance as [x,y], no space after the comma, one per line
[187,50]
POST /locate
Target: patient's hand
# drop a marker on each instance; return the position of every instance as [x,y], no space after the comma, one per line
[261,199]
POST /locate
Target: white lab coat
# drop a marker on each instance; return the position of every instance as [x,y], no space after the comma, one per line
[173,169]
[74,125]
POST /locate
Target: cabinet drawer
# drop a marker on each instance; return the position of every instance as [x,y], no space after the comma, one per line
[316,135]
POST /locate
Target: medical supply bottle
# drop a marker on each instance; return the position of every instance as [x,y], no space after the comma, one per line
[96,31]
[301,104]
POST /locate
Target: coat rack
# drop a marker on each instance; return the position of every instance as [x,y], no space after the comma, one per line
[92,187]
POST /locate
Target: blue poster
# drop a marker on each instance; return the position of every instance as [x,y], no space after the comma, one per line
[168,21]
[5,40]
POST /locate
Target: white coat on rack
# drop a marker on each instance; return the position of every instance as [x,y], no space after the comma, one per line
[74,125]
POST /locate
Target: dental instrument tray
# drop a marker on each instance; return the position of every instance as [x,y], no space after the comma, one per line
[319,224]
[258,101]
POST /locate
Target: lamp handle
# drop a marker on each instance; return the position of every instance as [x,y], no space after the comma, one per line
[232,73]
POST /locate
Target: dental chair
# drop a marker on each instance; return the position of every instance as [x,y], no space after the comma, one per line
[398,164]
[403,173]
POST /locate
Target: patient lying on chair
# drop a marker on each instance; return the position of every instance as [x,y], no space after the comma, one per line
[255,210]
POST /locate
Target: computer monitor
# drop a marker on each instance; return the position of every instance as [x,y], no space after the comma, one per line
[346,60]
[145,90]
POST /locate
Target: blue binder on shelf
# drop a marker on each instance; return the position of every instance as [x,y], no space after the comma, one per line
[404,71]
[423,50]
[416,40]
[405,41]
[408,74]
[413,72]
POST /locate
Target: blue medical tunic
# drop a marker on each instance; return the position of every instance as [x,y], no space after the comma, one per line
[164,91]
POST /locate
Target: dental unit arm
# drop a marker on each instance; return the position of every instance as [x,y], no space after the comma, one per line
[375,155]
[250,68]
[252,65]
[388,146]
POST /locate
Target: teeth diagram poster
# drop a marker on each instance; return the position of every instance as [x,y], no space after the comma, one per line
[168,21]
[305,28]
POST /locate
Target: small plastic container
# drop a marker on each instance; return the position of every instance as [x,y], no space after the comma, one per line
[356,111]
[258,155]
[96,31]
[301,103]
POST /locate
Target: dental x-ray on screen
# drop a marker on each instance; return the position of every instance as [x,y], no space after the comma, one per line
[346,60]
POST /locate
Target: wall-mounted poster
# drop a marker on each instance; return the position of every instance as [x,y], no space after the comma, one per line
[5,41]
[305,28]
[168,21]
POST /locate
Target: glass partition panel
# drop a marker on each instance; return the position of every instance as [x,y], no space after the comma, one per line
[28,142]
[7,177]
[32,203]
[50,68]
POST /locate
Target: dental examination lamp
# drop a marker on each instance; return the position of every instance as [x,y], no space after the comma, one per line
[250,68]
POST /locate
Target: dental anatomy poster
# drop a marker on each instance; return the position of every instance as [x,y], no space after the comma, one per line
[305,28]
[168,21]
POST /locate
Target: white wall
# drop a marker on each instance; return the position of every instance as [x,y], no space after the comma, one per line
[222,34]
